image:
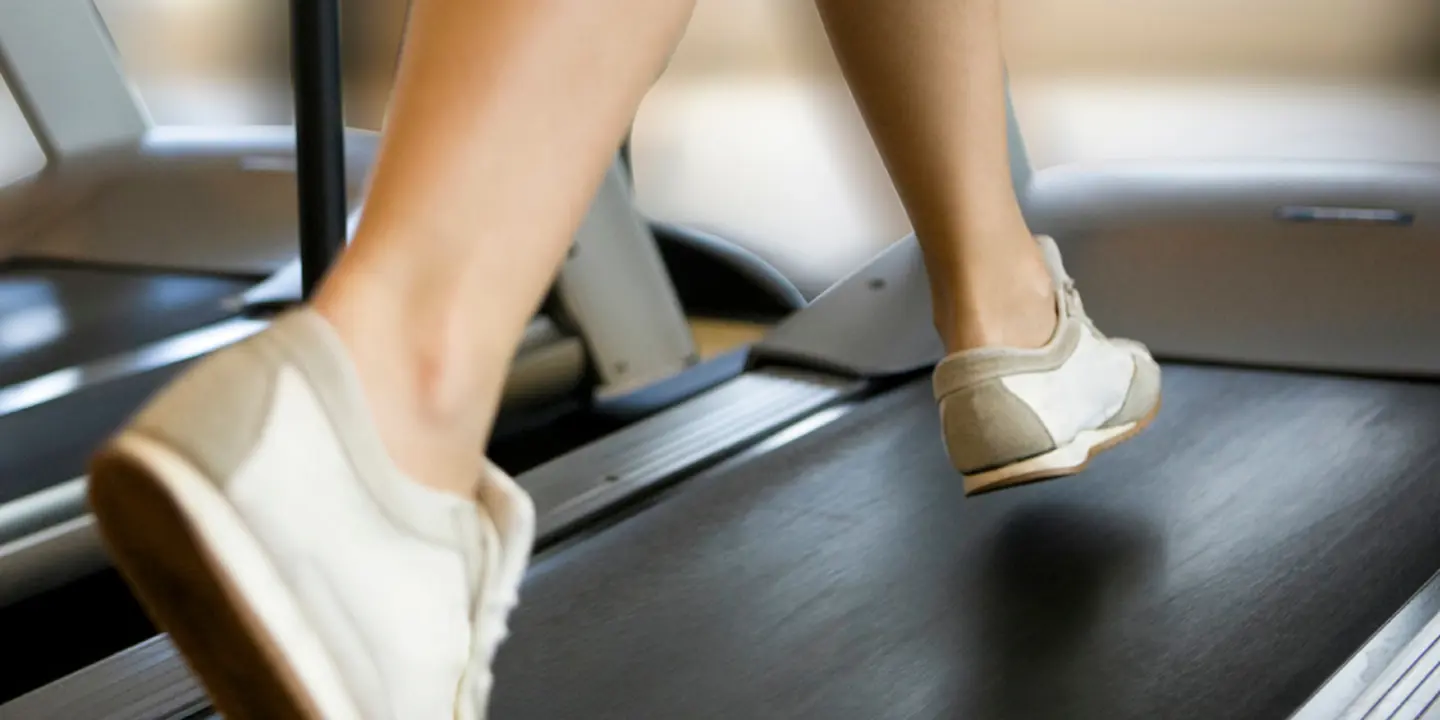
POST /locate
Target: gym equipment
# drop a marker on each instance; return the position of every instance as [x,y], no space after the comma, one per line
[792,542]
[116,188]
[1304,265]
[1221,566]
[118,277]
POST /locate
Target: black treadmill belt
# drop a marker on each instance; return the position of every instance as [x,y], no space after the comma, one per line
[1220,566]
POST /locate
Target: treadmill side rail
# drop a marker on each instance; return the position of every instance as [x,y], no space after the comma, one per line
[147,682]
[575,487]
[1395,675]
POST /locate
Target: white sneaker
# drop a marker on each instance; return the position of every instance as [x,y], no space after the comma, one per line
[302,575]
[1013,416]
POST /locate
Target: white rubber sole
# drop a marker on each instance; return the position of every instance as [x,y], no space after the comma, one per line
[1066,460]
[223,563]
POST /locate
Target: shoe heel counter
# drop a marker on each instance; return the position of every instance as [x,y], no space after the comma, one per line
[214,412]
[987,426]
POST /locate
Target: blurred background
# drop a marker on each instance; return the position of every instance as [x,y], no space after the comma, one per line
[751,134]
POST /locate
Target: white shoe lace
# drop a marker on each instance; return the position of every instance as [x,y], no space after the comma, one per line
[493,600]
[1076,306]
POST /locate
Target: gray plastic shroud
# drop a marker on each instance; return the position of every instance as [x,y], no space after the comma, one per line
[1302,265]
[1297,265]
[874,323]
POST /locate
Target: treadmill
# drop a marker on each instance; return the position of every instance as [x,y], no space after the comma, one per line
[792,543]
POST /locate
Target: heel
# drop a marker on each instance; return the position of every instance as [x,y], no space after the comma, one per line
[169,565]
[986,426]
[1064,461]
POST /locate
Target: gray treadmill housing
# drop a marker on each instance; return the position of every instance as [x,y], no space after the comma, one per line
[1306,265]
[117,189]
[874,323]
[114,187]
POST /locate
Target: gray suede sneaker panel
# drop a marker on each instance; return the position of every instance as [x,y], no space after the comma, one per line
[985,426]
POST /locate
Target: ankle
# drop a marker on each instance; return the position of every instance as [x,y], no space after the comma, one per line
[432,404]
[1014,315]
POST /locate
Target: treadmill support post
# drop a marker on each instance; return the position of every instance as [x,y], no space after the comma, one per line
[57,58]
[319,135]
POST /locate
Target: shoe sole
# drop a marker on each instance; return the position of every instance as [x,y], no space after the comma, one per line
[205,580]
[1060,462]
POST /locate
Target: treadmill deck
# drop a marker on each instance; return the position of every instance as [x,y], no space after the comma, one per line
[1222,564]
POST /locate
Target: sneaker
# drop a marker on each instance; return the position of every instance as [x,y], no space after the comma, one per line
[260,521]
[1013,416]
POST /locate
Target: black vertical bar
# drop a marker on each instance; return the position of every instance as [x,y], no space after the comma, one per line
[319,134]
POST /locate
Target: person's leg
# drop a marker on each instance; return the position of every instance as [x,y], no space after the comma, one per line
[504,117]
[929,77]
[1030,390]
[309,513]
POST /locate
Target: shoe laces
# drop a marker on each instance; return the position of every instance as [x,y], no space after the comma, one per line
[492,601]
[1076,306]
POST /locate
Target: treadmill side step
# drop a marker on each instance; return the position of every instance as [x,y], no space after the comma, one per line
[146,682]
[573,488]
[1408,686]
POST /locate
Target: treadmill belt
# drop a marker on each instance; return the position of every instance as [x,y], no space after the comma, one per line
[1221,565]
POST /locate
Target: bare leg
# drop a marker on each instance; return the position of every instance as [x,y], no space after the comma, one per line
[504,118]
[929,78]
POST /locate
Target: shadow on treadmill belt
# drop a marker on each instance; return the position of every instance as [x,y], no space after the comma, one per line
[1221,565]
